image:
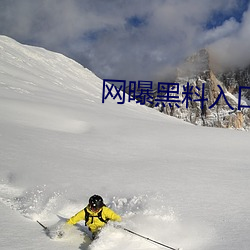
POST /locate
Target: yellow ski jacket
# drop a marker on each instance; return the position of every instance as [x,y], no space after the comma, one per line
[94,223]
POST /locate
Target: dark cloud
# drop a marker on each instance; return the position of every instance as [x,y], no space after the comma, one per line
[133,39]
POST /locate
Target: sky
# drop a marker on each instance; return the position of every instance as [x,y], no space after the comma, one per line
[132,39]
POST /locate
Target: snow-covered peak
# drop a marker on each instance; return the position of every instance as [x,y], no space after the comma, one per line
[48,80]
[32,68]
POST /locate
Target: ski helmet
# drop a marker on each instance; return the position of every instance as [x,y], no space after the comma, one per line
[95,202]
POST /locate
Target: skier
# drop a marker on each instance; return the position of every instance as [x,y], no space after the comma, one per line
[95,214]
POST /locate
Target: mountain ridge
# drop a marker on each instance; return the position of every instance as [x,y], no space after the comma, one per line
[199,70]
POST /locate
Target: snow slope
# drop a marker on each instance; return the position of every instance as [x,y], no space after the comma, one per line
[176,183]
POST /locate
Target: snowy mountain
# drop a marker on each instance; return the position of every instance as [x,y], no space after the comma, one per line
[233,78]
[183,185]
[201,72]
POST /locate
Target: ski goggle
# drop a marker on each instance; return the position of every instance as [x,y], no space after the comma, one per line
[94,208]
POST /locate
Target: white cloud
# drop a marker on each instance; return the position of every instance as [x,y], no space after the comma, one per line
[233,49]
[97,32]
[228,28]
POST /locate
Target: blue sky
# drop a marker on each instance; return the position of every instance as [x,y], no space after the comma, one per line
[131,39]
[218,17]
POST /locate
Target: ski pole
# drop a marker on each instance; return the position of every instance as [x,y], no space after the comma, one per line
[45,228]
[146,238]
